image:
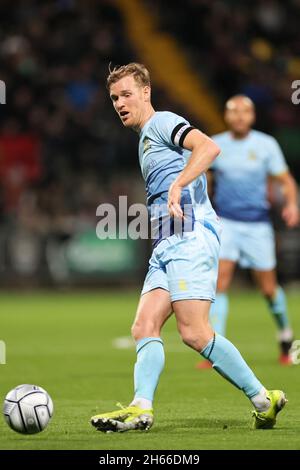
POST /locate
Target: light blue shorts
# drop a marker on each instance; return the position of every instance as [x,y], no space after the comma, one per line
[185,265]
[251,244]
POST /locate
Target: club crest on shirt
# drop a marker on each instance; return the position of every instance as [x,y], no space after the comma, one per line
[146,144]
[252,155]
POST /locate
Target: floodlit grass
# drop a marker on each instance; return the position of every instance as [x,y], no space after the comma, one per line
[65,343]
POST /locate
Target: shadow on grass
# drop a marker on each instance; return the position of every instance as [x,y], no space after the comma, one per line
[201,424]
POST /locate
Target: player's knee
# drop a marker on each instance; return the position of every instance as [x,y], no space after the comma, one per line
[141,330]
[223,284]
[194,340]
[268,290]
[191,341]
[136,331]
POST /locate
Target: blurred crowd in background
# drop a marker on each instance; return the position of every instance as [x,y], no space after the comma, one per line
[63,150]
[250,47]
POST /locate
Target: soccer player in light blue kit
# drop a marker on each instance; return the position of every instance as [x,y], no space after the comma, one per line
[248,157]
[183,267]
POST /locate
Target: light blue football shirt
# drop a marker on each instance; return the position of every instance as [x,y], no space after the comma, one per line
[162,158]
[241,173]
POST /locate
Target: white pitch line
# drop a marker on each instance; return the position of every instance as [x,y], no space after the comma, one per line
[126,342]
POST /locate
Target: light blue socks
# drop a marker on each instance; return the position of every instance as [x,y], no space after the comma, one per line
[148,367]
[218,313]
[227,360]
[224,356]
[278,309]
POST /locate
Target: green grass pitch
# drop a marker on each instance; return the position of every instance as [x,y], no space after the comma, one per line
[66,343]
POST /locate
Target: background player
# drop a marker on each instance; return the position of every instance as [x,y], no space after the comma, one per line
[183,267]
[248,157]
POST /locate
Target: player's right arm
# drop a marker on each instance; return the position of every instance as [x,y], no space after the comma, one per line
[290,212]
[279,171]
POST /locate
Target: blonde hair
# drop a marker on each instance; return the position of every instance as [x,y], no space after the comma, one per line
[138,71]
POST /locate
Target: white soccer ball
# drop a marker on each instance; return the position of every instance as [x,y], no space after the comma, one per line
[28,409]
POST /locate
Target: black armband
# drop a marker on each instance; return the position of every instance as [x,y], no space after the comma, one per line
[180,132]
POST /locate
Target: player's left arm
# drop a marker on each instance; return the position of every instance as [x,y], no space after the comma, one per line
[204,151]
[290,211]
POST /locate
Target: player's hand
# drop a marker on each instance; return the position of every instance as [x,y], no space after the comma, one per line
[174,197]
[290,215]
